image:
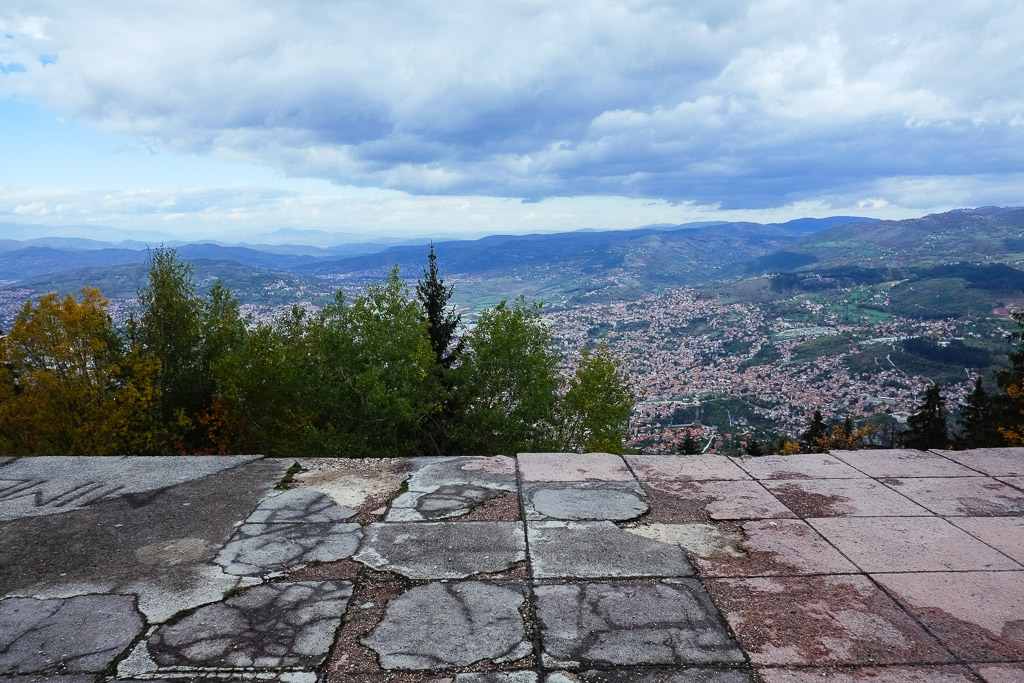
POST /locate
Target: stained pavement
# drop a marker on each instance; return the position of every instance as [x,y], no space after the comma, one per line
[900,566]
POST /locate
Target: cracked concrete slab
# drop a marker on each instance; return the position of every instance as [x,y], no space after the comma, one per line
[843,498]
[498,677]
[903,462]
[48,486]
[366,484]
[450,488]
[442,550]
[267,626]
[567,549]
[1015,482]
[685,467]
[159,544]
[82,634]
[298,506]
[819,620]
[1005,534]
[995,462]
[909,544]
[614,501]
[698,539]
[258,549]
[977,615]
[799,466]
[631,624]
[573,467]
[449,501]
[962,496]
[4,460]
[446,625]
[660,675]
[496,472]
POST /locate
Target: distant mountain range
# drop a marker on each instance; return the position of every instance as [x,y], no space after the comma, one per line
[560,267]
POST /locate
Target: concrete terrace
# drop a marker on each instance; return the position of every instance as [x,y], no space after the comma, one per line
[548,568]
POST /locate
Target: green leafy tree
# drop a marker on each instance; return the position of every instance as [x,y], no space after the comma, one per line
[67,385]
[596,407]
[754,448]
[508,383]
[169,330]
[977,421]
[372,384]
[927,427]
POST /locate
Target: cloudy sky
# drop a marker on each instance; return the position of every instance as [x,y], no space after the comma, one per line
[230,118]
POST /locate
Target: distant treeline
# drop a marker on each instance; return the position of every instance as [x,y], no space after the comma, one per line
[386,374]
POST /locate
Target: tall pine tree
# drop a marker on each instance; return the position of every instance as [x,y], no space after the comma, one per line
[927,427]
[442,320]
[978,421]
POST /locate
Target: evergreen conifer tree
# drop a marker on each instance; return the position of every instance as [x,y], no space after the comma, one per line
[689,445]
[442,321]
[816,431]
[927,426]
[978,421]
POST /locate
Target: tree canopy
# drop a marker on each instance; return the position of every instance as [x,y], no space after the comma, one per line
[385,374]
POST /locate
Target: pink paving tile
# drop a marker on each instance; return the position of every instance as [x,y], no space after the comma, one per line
[801,466]
[1016,482]
[1005,534]
[573,467]
[962,496]
[685,467]
[773,547]
[909,544]
[903,462]
[977,615]
[1000,673]
[860,674]
[821,620]
[843,498]
[692,501]
[995,462]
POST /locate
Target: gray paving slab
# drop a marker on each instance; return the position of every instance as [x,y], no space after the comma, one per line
[365,484]
[159,545]
[632,675]
[630,624]
[455,624]
[614,501]
[47,486]
[497,472]
[267,626]
[299,505]
[442,550]
[598,550]
[448,501]
[498,677]
[82,634]
[258,549]
[5,460]
[49,678]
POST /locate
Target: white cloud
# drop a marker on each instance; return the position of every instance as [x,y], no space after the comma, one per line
[742,104]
